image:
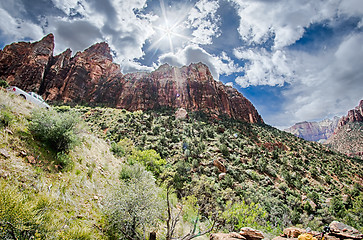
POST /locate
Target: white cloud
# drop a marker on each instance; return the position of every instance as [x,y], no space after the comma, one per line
[284,20]
[193,54]
[263,67]
[328,83]
[204,20]
[114,21]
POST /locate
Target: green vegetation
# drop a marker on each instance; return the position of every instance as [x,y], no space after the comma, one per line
[134,206]
[149,172]
[3,83]
[57,130]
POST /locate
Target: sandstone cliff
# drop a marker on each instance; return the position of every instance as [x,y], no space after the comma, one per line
[354,115]
[91,76]
[348,136]
[314,131]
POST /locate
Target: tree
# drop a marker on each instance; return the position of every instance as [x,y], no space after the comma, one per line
[133,205]
[191,214]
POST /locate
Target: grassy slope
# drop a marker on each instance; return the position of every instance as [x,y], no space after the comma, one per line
[74,197]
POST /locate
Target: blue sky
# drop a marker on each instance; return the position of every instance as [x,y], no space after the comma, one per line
[295,60]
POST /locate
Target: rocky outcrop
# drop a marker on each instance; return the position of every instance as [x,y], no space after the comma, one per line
[354,115]
[92,77]
[338,231]
[226,236]
[25,64]
[245,233]
[348,137]
[341,230]
[314,131]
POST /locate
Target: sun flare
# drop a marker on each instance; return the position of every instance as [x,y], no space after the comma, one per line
[170,29]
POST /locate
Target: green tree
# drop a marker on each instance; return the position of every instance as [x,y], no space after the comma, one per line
[149,158]
[241,214]
[134,205]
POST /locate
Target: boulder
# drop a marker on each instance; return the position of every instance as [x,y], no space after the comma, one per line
[219,164]
[226,236]
[293,232]
[282,238]
[251,234]
[342,230]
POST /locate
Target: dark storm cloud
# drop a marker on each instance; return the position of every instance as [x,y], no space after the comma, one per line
[78,35]
[105,8]
[35,9]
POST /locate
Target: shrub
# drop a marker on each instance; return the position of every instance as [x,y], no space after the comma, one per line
[57,130]
[149,158]
[20,218]
[134,205]
[3,83]
[123,147]
[6,117]
[241,214]
[64,161]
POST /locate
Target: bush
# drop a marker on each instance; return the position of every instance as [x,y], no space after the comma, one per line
[149,158]
[122,148]
[64,161]
[57,130]
[134,205]
[3,83]
[241,214]
[6,117]
[20,218]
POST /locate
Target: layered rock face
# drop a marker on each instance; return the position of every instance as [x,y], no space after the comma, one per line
[314,131]
[354,115]
[348,136]
[24,64]
[91,76]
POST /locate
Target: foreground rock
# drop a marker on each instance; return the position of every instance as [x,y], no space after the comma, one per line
[245,233]
[338,231]
[92,77]
[226,236]
[342,230]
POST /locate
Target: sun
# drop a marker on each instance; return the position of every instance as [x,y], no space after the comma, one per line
[170,30]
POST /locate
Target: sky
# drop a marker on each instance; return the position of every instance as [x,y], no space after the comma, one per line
[295,60]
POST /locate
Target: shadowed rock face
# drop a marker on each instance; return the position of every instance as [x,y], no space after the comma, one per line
[91,76]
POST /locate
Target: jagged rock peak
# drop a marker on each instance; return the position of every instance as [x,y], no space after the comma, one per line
[354,115]
[101,49]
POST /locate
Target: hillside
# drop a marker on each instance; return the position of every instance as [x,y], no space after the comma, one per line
[220,166]
[294,181]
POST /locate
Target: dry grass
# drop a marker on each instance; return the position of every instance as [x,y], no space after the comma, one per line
[76,196]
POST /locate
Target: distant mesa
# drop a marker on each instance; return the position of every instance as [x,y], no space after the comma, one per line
[92,77]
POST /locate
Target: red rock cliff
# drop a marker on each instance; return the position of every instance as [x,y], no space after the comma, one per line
[354,115]
[91,76]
